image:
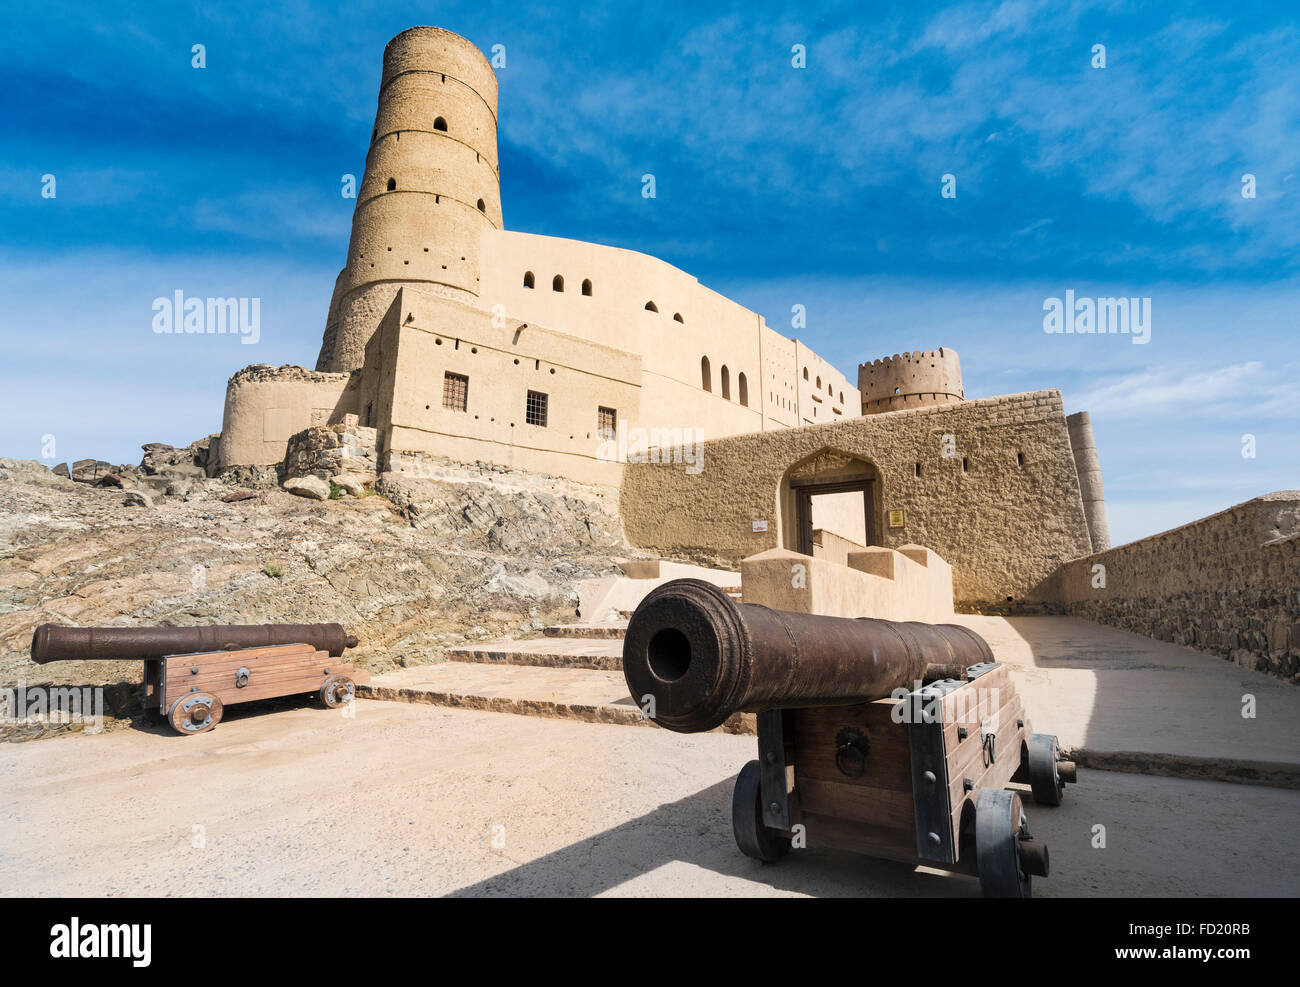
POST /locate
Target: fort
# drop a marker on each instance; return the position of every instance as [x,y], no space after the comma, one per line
[451,339]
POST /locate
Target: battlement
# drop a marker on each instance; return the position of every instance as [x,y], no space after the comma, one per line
[910,380]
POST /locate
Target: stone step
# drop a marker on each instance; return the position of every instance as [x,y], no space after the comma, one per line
[605,654]
[597,631]
[594,696]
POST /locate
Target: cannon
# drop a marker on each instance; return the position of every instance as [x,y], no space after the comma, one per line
[192,673]
[893,739]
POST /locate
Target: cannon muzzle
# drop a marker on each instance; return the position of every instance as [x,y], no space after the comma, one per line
[703,657]
[52,642]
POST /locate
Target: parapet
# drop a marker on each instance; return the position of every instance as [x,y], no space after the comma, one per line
[912,380]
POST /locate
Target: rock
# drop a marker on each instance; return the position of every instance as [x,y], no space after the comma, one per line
[109,480]
[308,486]
[137,498]
[180,487]
[62,470]
[351,484]
[237,495]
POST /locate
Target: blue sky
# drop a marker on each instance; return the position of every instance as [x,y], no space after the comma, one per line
[775,185]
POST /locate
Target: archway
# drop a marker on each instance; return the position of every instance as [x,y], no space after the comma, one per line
[830,491]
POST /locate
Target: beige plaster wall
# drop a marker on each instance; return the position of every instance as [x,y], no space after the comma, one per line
[423,337]
[266,405]
[897,589]
[825,394]
[1003,527]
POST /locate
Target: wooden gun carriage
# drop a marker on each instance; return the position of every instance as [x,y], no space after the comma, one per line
[918,777]
[192,673]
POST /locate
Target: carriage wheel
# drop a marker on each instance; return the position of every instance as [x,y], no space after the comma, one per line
[754,839]
[338,690]
[1044,775]
[196,712]
[1007,855]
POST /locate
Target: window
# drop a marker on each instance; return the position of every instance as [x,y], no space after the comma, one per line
[805,373]
[440,124]
[481,206]
[535,411]
[743,385]
[725,377]
[706,380]
[819,383]
[677,317]
[557,284]
[606,423]
[529,280]
[651,307]
[455,391]
[369,420]
[586,287]
[392,185]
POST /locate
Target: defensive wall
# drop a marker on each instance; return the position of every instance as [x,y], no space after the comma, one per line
[1228,584]
[988,485]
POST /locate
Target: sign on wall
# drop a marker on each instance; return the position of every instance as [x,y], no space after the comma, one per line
[760,526]
[896,518]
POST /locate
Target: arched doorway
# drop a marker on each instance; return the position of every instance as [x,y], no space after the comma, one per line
[830,491]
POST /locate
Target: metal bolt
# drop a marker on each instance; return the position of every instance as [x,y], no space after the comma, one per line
[774,807]
[771,756]
[961,733]
[934,838]
[968,785]
[929,777]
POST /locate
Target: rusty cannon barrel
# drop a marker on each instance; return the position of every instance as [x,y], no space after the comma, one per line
[52,642]
[703,657]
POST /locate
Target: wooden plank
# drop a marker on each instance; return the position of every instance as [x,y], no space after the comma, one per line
[888,764]
[874,841]
[235,659]
[878,806]
[220,677]
[967,761]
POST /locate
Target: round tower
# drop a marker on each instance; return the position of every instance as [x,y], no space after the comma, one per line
[913,380]
[430,188]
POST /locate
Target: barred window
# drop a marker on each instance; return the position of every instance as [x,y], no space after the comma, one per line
[455,391]
[606,423]
[535,412]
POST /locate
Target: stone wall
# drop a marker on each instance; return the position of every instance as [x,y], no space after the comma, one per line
[328,451]
[989,485]
[1228,584]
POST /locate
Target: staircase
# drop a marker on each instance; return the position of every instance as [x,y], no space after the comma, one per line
[574,671]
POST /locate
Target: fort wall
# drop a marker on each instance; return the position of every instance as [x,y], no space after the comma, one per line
[266,405]
[1003,509]
[1228,584]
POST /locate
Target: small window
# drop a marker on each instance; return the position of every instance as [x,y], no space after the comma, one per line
[535,410]
[805,373]
[651,307]
[557,284]
[706,379]
[606,423]
[1020,459]
[440,124]
[586,287]
[965,464]
[725,378]
[481,206]
[742,386]
[392,185]
[918,469]
[819,383]
[455,391]
[529,280]
[677,317]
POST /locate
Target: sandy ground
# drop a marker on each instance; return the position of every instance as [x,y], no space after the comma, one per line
[403,799]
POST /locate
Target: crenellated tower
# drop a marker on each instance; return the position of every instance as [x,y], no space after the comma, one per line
[430,188]
[912,380]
